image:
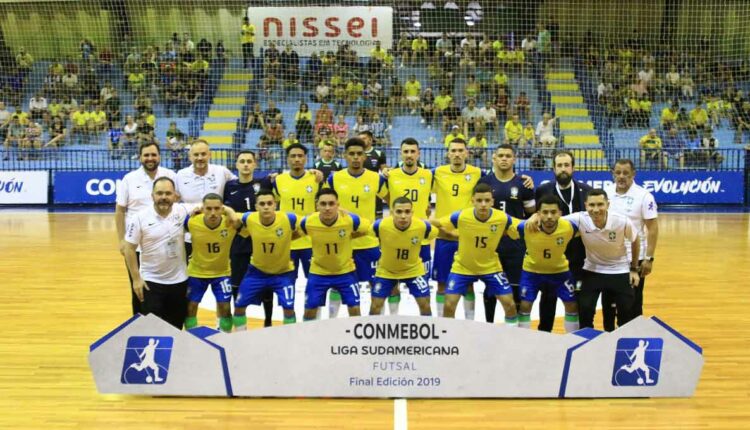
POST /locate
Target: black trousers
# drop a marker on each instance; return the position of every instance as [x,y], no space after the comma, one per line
[616,285]
[512,268]
[609,311]
[168,302]
[247,53]
[134,302]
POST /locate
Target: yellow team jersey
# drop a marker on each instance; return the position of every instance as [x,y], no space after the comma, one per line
[442,102]
[419,45]
[699,117]
[287,143]
[80,117]
[478,240]
[453,189]
[248,33]
[648,142]
[378,54]
[210,257]
[358,195]
[332,245]
[99,117]
[513,131]
[478,143]
[451,137]
[296,195]
[414,186]
[668,116]
[271,243]
[412,89]
[545,252]
[399,258]
[528,133]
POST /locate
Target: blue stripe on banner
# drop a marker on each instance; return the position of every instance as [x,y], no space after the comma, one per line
[586,333]
[689,342]
[109,335]
[224,364]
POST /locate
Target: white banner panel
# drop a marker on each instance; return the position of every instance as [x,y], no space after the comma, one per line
[400,356]
[315,29]
[21,187]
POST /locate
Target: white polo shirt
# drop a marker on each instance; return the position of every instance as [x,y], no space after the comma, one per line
[134,190]
[606,248]
[162,244]
[638,204]
[192,188]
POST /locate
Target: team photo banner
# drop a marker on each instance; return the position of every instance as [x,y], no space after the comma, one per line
[97,187]
[671,187]
[402,356]
[315,29]
[24,187]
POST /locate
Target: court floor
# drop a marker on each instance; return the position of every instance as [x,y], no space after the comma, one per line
[63,285]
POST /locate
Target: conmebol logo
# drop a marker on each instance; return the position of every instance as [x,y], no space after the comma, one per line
[695,186]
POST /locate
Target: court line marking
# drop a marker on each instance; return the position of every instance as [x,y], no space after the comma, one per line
[400,421]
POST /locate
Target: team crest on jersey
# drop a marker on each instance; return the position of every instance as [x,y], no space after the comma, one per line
[560,240]
[422,181]
[309,189]
[629,201]
[514,192]
[414,240]
[224,233]
[256,187]
[279,232]
[612,236]
[468,178]
[367,188]
[342,232]
[493,228]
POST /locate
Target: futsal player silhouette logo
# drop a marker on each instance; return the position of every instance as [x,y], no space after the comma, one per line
[637,362]
[146,360]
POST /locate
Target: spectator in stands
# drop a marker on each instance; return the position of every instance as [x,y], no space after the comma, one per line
[402,48]
[500,81]
[204,48]
[443,45]
[314,71]
[323,133]
[360,125]
[675,146]
[291,139]
[142,102]
[471,118]
[57,133]
[272,138]
[273,113]
[374,90]
[672,82]
[303,124]
[380,131]
[488,114]
[715,111]
[502,105]
[377,58]
[523,106]
[454,134]
[255,118]
[14,137]
[70,83]
[271,59]
[115,142]
[87,49]
[427,110]
[545,130]
[37,106]
[529,137]
[452,116]
[699,117]
[136,80]
[478,149]
[513,131]
[741,117]
[651,150]
[130,131]
[341,131]
[100,119]
[247,39]
[413,89]
[644,111]
[79,119]
[669,116]
[322,92]
[396,98]
[688,87]
[418,48]
[354,90]
[710,150]
[32,141]
[4,116]
[145,131]
[604,90]
[171,97]
[324,115]
[289,63]
[24,63]
[646,76]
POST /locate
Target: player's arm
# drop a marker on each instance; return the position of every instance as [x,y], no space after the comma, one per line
[511,228]
[318,175]
[652,228]
[528,182]
[233,219]
[131,240]
[120,226]
[447,224]
[383,191]
[528,198]
[361,226]
[635,249]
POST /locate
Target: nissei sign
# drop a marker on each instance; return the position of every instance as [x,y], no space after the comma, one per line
[86,187]
[314,29]
[672,187]
[23,187]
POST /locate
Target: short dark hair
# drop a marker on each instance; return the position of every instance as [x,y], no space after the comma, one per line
[365,133]
[146,145]
[565,152]
[212,196]
[481,188]
[410,141]
[458,140]
[265,192]
[627,161]
[162,179]
[247,151]
[597,192]
[295,146]
[506,146]
[325,192]
[549,199]
[354,141]
[402,201]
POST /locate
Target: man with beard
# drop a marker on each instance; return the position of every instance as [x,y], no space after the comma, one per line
[134,195]
[572,194]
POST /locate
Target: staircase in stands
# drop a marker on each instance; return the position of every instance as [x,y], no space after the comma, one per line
[226,109]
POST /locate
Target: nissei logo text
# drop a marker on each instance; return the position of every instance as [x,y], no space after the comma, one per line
[101,187]
[11,186]
[694,186]
[147,360]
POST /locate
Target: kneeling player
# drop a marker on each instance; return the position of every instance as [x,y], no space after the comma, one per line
[212,232]
[401,238]
[545,265]
[271,266]
[331,232]
[479,232]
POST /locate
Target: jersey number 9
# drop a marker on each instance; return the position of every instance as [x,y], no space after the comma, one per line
[455,190]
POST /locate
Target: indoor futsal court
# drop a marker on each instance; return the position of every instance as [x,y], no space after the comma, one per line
[65,286]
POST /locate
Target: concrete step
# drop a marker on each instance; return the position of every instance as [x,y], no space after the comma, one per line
[582,140]
[562,87]
[217,140]
[571,125]
[560,75]
[220,126]
[567,99]
[219,114]
[229,100]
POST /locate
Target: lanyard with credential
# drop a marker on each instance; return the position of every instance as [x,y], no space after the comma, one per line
[572,196]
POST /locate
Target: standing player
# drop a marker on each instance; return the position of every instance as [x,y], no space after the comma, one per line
[212,232]
[270,265]
[331,231]
[400,237]
[239,194]
[635,202]
[572,194]
[479,232]
[413,182]
[358,190]
[134,195]
[453,185]
[545,265]
[512,197]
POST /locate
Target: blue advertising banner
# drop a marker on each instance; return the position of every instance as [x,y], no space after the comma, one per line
[672,187]
[86,187]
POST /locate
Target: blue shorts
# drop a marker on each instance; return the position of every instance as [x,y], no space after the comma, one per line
[304,256]
[424,254]
[318,285]
[531,283]
[418,287]
[495,283]
[445,250]
[255,284]
[365,263]
[221,287]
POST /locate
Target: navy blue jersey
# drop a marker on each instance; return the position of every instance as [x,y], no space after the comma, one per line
[327,168]
[241,197]
[374,160]
[510,197]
